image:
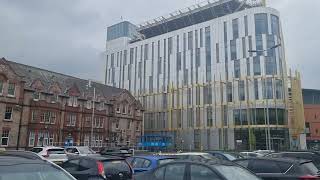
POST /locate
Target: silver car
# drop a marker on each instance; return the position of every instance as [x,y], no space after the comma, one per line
[53,154]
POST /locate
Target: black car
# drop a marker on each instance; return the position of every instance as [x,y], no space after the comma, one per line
[309,155]
[20,165]
[116,152]
[98,168]
[198,170]
[280,168]
[228,156]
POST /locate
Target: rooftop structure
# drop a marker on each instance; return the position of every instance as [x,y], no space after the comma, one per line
[195,14]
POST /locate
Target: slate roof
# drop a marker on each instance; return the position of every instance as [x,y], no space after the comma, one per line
[30,74]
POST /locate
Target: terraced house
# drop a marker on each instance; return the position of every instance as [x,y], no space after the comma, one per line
[40,107]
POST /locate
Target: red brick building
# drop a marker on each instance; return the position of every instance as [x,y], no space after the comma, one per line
[41,107]
[311,100]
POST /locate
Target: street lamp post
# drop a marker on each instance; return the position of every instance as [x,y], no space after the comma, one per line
[268,136]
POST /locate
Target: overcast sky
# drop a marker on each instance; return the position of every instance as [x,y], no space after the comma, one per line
[68,36]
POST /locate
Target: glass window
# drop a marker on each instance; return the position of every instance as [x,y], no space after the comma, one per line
[256,66]
[250,45]
[264,166]
[233,49]
[237,71]
[279,89]
[175,172]
[248,67]
[270,65]
[159,173]
[244,48]
[209,117]
[229,91]
[8,113]
[234,172]
[138,163]
[146,51]
[235,28]
[246,25]
[198,172]
[31,138]
[201,37]
[217,53]
[268,89]
[225,41]
[34,171]
[259,45]
[11,89]
[256,89]
[236,117]
[275,25]
[198,57]
[261,23]
[208,53]
[170,47]
[270,46]
[5,138]
[241,91]
[190,40]
[1,86]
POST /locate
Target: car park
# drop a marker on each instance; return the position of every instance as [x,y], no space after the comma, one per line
[147,163]
[79,151]
[98,168]
[309,155]
[198,170]
[22,165]
[54,154]
[280,168]
[229,156]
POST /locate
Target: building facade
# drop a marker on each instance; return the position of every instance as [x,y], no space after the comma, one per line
[211,77]
[41,108]
[311,101]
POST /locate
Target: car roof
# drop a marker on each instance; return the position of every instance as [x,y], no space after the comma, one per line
[49,147]
[210,162]
[153,157]
[192,153]
[18,157]
[98,158]
[289,160]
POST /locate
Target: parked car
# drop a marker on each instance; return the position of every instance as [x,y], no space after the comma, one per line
[198,170]
[23,165]
[250,154]
[116,152]
[264,152]
[229,156]
[309,155]
[79,151]
[280,168]
[194,156]
[147,163]
[51,153]
[98,168]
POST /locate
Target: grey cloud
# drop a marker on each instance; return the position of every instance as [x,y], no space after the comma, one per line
[68,36]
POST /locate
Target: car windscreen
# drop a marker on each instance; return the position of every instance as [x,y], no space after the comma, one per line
[235,172]
[309,168]
[230,157]
[36,150]
[116,166]
[56,151]
[85,150]
[32,171]
[208,156]
[164,161]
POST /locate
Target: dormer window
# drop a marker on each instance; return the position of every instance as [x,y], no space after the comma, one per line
[1,87]
[36,96]
[89,104]
[118,109]
[73,101]
[54,98]
[124,110]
